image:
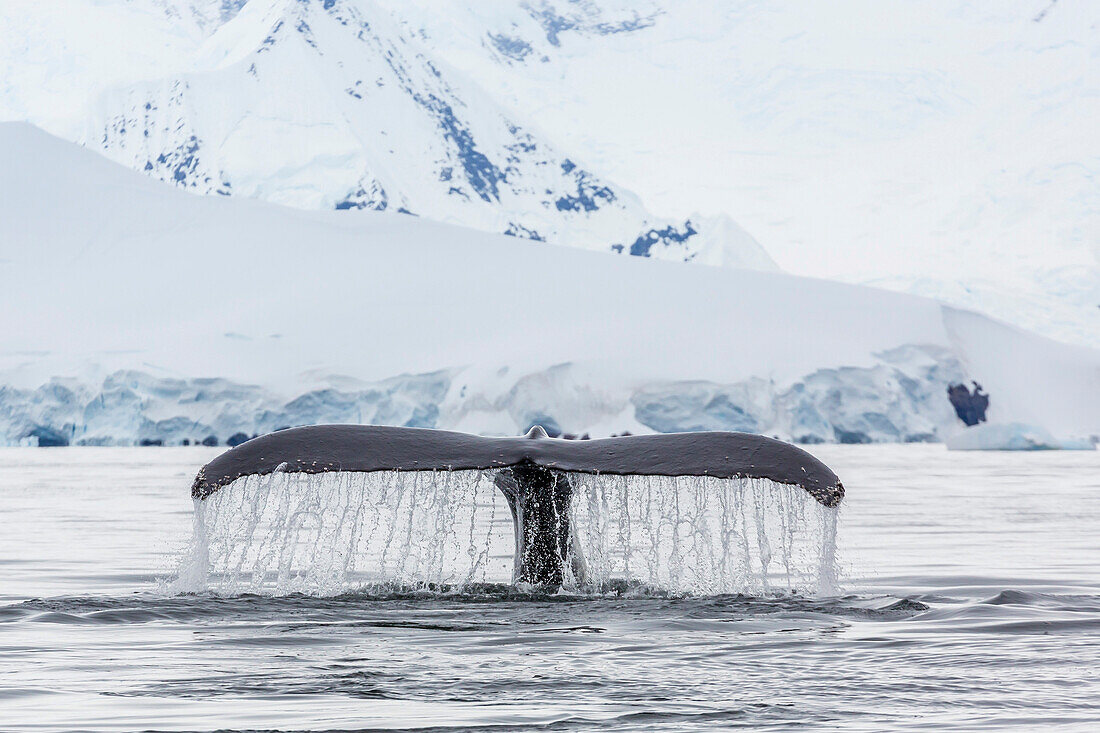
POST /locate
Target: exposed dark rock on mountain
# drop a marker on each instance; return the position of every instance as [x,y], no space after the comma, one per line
[969,406]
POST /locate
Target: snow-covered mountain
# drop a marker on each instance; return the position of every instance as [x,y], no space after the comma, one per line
[331,105]
[942,148]
[133,311]
[945,148]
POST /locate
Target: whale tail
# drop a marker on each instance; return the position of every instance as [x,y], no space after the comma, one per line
[537,475]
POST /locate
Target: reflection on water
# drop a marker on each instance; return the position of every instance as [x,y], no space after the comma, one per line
[971,598]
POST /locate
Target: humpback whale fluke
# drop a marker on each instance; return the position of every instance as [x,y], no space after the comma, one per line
[536,473]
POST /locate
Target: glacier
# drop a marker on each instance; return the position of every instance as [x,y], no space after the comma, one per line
[900,400]
[134,312]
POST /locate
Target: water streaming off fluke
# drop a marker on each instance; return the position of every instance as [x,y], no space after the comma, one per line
[340,531]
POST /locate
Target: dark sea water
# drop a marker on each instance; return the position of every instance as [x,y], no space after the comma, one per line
[969,598]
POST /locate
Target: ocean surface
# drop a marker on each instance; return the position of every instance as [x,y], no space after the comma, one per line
[969,598]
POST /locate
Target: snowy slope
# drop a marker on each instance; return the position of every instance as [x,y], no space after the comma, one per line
[328,105]
[941,148]
[133,310]
[945,148]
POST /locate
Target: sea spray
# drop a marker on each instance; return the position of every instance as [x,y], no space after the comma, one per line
[340,532]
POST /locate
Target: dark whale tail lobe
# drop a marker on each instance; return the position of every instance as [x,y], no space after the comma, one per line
[536,474]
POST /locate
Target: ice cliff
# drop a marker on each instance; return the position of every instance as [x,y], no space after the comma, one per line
[897,400]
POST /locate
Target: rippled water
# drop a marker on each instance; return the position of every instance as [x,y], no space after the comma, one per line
[971,598]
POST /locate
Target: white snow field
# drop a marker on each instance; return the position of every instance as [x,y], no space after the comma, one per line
[133,311]
[944,148]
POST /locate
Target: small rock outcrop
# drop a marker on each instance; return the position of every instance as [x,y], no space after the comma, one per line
[969,406]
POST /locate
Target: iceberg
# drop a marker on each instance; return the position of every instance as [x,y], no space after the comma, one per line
[134,312]
[1013,436]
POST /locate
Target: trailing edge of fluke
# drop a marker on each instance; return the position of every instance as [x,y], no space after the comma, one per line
[363,448]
